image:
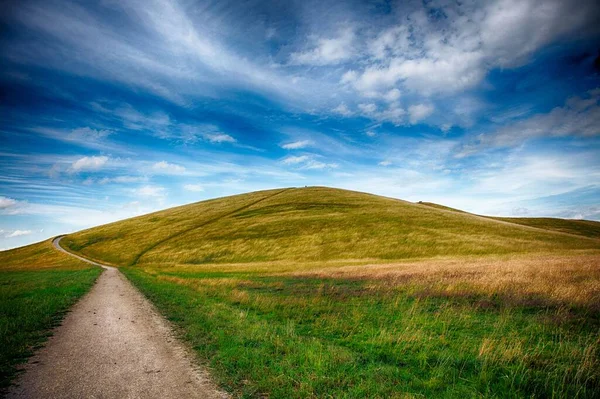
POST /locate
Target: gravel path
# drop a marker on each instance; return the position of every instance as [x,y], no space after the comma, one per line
[113,344]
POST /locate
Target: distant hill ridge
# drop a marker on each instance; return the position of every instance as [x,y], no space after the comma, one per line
[586,228]
[319,224]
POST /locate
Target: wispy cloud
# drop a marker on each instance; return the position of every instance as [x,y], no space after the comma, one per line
[327,51]
[580,116]
[92,163]
[308,162]
[122,179]
[175,57]
[342,109]
[150,191]
[419,112]
[295,145]
[168,168]
[293,160]
[194,187]
[6,202]
[18,233]
[219,138]
[434,55]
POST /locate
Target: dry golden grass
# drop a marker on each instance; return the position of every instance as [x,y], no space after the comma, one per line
[205,282]
[561,279]
[39,256]
[492,326]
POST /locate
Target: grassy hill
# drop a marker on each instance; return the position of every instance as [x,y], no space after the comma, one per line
[586,228]
[319,292]
[313,224]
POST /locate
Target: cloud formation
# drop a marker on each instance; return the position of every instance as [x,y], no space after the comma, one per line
[6,202]
[578,117]
[150,191]
[92,163]
[18,233]
[168,168]
[219,138]
[327,51]
[194,187]
[295,145]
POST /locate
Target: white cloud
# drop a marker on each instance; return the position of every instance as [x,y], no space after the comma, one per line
[89,163]
[87,133]
[293,160]
[371,133]
[327,51]
[342,109]
[419,112]
[424,75]
[168,168]
[18,233]
[150,191]
[578,117]
[349,77]
[427,55]
[368,108]
[523,176]
[6,202]
[392,95]
[193,187]
[122,179]
[219,138]
[183,58]
[297,144]
[393,113]
[313,164]
[308,162]
[513,29]
[385,163]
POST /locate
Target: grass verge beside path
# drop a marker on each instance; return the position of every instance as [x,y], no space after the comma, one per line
[37,286]
[355,336]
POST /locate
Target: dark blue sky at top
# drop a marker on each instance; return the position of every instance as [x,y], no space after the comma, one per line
[115,108]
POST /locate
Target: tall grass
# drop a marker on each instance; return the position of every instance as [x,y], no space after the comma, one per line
[352,333]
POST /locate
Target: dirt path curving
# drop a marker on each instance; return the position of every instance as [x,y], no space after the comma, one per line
[113,344]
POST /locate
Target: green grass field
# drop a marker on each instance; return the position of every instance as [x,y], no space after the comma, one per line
[299,336]
[37,286]
[318,292]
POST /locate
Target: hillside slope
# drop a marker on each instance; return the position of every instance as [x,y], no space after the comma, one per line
[586,228]
[309,224]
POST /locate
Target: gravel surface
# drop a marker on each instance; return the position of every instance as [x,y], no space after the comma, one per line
[114,344]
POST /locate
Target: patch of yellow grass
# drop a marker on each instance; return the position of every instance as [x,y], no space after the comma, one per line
[571,279]
[206,282]
[39,256]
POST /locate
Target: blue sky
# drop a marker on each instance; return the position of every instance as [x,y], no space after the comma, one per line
[112,109]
